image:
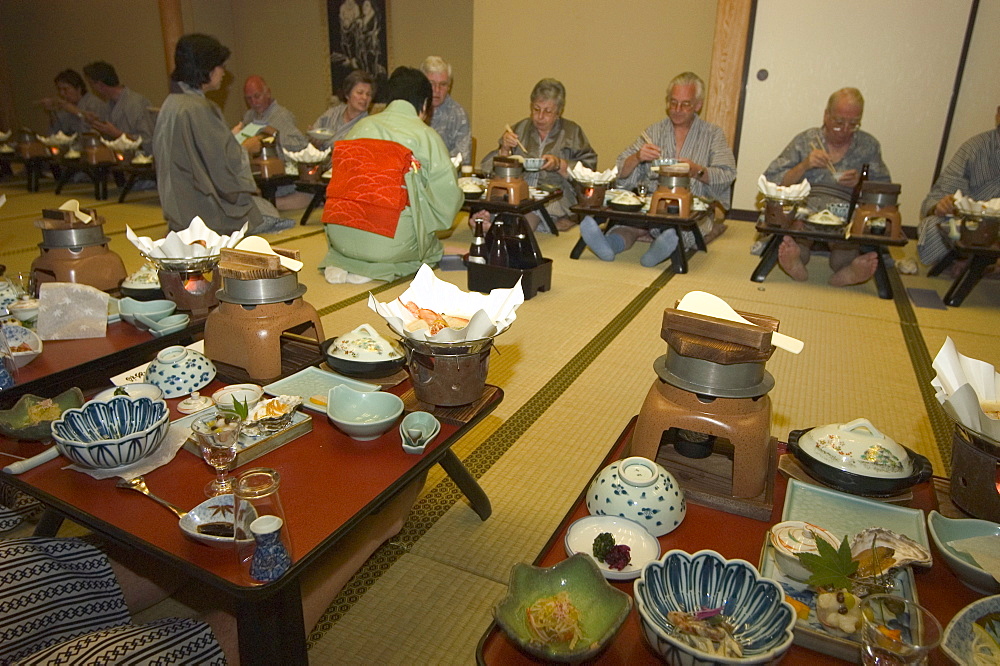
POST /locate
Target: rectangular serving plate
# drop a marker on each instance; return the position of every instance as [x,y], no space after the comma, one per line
[312,381]
[250,448]
[842,515]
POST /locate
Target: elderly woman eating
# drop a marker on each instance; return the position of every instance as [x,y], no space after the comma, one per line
[559,142]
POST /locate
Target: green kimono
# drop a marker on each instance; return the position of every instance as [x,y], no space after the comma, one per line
[434,196]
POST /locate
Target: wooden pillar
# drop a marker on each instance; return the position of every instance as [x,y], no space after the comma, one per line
[172,29]
[729,51]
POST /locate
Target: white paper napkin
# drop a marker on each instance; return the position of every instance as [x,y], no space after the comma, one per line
[582,174]
[172,442]
[498,308]
[123,142]
[187,243]
[962,384]
[775,191]
[308,155]
[967,205]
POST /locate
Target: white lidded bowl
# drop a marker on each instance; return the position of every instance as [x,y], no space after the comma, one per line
[179,371]
[641,490]
[136,390]
[227,396]
[362,415]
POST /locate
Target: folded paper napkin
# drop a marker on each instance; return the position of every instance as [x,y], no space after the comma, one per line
[794,192]
[457,161]
[123,142]
[488,314]
[164,453]
[4,135]
[195,241]
[308,155]
[142,158]
[969,206]
[74,206]
[967,388]
[57,139]
[582,174]
[71,311]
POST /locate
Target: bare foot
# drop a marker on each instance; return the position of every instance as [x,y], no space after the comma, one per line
[790,259]
[858,271]
[716,231]
[564,223]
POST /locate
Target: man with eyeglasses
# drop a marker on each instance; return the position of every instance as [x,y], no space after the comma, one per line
[683,136]
[975,170]
[830,157]
[449,119]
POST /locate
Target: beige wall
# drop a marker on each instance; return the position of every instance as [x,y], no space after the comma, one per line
[615,59]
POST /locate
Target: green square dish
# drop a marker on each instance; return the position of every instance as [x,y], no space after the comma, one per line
[16,421]
[602,607]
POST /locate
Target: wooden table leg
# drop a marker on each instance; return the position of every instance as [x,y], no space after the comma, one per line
[549,222]
[129,184]
[467,484]
[946,261]
[881,276]
[678,259]
[272,629]
[100,176]
[970,277]
[49,524]
[315,201]
[768,259]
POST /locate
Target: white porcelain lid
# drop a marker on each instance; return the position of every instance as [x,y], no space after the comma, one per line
[363,344]
[857,447]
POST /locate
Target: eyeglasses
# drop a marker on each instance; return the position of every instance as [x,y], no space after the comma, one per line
[539,111]
[844,123]
[676,104]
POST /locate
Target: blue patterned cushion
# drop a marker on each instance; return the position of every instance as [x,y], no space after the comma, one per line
[52,590]
[167,641]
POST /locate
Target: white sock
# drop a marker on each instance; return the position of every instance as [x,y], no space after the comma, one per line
[335,275]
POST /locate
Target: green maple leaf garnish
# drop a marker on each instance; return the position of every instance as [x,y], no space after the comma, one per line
[832,567]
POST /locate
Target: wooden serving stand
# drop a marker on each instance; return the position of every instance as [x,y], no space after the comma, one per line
[737,475]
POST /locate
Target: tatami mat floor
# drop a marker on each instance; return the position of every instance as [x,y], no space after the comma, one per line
[575,367]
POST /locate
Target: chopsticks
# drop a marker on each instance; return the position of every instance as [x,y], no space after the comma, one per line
[645,137]
[520,145]
[818,145]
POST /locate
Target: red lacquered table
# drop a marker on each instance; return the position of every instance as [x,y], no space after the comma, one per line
[734,537]
[329,484]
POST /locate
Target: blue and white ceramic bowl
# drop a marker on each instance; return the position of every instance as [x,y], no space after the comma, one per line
[19,336]
[641,490]
[959,636]
[179,371]
[754,605]
[105,435]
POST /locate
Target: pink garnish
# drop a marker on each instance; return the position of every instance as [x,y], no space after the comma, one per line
[707,613]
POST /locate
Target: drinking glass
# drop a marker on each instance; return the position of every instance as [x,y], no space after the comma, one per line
[218,434]
[896,631]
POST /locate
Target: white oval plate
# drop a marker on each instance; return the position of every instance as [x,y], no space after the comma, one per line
[644,547]
[213,510]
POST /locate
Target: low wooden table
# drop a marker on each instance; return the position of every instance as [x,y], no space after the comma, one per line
[734,537]
[88,363]
[979,259]
[33,168]
[98,174]
[269,186]
[865,243]
[131,174]
[329,485]
[609,218]
[517,210]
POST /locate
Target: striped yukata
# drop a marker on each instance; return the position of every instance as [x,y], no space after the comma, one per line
[975,169]
[452,123]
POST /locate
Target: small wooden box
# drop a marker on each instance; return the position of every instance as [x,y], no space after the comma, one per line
[484,278]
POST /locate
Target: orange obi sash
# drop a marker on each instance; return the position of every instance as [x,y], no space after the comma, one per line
[366,189]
